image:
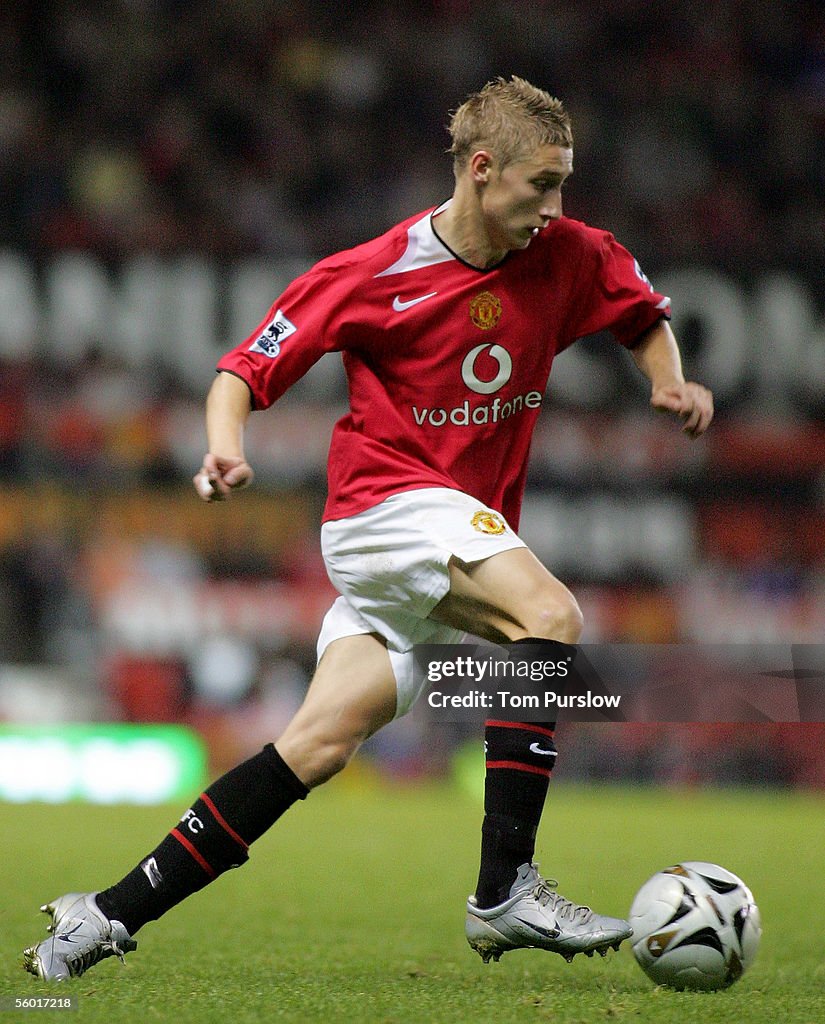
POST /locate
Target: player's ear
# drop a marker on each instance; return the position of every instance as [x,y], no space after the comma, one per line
[481,166]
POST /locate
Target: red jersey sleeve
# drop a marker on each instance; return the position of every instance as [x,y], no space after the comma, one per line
[620,299]
[300,327]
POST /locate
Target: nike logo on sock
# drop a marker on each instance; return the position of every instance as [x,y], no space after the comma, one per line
[400,305]
[152,872]
[536,749]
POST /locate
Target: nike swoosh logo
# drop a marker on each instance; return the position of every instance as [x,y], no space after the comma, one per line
[540,750]
[67,936]
[548,933]
[400,306]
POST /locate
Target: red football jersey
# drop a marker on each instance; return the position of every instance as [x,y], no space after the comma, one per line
[447,364]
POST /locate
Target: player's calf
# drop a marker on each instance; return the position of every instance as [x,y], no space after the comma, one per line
[213,835]
[520,757]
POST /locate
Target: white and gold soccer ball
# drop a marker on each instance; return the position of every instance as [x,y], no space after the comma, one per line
[695,926]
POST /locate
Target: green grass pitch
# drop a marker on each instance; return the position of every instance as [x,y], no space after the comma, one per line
[351,910]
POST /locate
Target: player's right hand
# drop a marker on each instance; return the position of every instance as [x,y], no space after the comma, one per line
[220,475]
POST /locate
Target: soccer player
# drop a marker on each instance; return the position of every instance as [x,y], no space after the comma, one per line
[448,325]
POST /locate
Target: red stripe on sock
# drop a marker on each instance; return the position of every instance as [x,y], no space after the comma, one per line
[518,766]
[527,726]
[207,867]
[216,814]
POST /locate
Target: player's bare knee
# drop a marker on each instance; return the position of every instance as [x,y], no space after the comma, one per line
[557,619]
[331,756]
[318,747]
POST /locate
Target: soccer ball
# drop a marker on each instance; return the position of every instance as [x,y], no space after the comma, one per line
[695,926]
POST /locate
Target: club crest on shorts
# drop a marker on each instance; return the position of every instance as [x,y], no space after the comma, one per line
[487,522]
[269,340]
[485,310]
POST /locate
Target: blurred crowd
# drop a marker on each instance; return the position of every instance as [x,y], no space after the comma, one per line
[230,127]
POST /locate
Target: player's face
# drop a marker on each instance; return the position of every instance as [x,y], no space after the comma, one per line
[524,196]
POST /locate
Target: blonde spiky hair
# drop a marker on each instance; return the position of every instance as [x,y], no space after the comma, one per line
[511,118]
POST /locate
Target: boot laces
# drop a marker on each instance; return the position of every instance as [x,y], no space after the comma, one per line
[545,893]
[84,959]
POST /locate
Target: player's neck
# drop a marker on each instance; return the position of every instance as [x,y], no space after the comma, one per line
[461,228]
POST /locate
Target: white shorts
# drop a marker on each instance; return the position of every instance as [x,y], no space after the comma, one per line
[390,565]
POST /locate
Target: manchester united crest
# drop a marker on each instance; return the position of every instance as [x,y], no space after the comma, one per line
[487,522]
[485,310]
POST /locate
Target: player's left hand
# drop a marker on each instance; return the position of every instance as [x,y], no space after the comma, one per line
[692,402]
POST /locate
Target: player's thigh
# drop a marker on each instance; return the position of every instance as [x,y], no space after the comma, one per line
[509,596]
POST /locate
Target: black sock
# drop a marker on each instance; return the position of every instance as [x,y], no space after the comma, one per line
[211,837]
[520,757]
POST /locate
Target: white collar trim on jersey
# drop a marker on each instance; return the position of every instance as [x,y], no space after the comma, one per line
[424,247]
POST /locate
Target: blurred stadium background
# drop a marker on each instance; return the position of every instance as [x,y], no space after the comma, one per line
[167,166]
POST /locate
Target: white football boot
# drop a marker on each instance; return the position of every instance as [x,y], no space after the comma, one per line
[536,916]
[80,936]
